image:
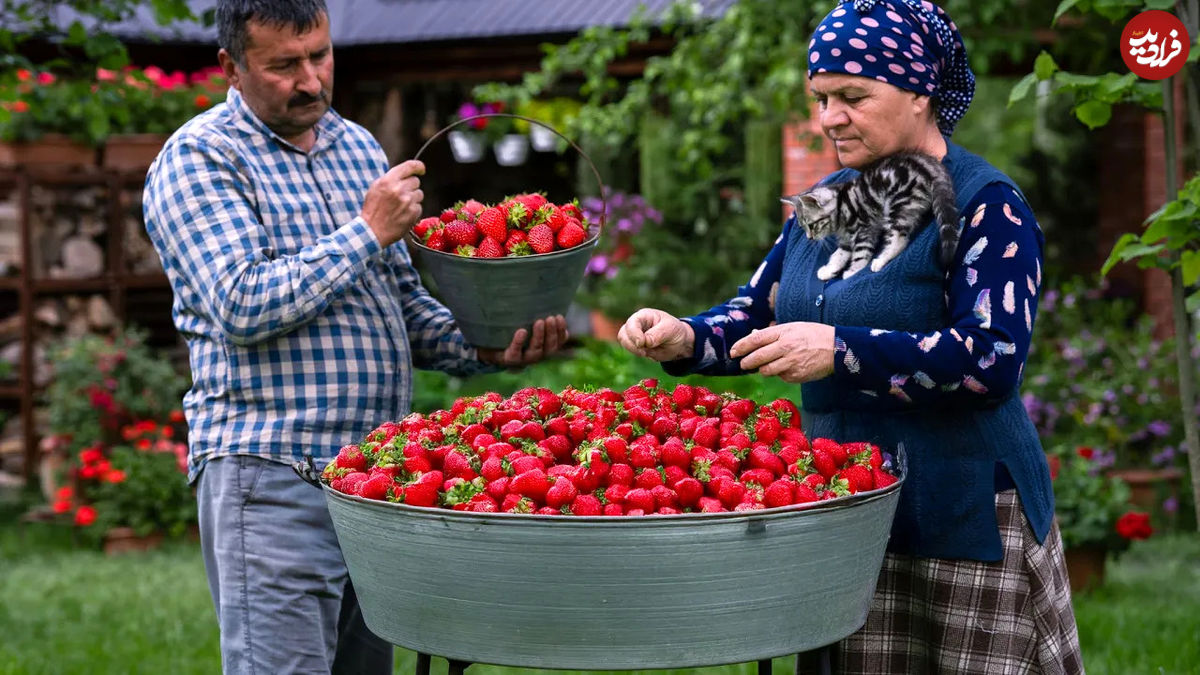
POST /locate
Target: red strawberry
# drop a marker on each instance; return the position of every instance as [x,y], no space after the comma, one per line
[517,244]
[644,455]
[587,505]
[541,239]
[834,449]
[766,429]
[489,248]
[663,427]
[707,436]
[788,413]
[740,409]
[664,496]
[710,505]
[689,490]
[556,218]
[648,478]
[491,223]
[548,511]
[611,509]
[561,493]
[640,499]
[465,251]
[423,226]
[461,233]
[620,474]
[730,492]
[572,210]
[456,465]
[494,468]
[420,494]
[780,493]
[571,235]
[762,477]
[448,216]
[707,403]
[376,487]
[617,449]
[437,240]
[865,453]
[683,396]
[498,488]
[351,457]
[823,461]
[667,510]
[532,484]
[883,478]
[635,512]
[765,459]
[672,474]
[515,503]
[615,494]
[813,480]
[805,493]
[472,207]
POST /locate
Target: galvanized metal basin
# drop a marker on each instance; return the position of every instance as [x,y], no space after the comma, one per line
[601,593]
[492,297]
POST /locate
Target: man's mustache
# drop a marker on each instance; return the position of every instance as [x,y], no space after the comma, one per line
[305,99]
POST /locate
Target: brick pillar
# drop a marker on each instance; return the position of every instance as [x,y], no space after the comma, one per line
[807,155]
[1156,295]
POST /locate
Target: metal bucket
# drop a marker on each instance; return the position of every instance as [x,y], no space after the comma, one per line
[493,297]
[605,593]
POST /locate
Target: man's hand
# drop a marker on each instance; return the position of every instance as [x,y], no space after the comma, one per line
[655,334]
[393,202]
[549,336]
[797,352]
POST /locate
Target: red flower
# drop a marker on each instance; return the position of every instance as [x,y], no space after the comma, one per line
[144,444]
[167,432]
[100,399]
[1135,525]
[1055,465]
[23,75]
[1085,452]
[202,101]
[115,476]
[20,106]
[64,492]
[45,78]
[62,506]
[91,456]
[176,416]
[85,516]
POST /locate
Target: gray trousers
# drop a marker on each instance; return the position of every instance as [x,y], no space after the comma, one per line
[283,597]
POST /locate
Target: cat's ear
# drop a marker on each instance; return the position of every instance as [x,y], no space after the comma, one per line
[792,201]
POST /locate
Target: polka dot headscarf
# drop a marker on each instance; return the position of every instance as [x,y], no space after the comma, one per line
[911,44]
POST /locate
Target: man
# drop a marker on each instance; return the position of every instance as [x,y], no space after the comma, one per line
[303,317]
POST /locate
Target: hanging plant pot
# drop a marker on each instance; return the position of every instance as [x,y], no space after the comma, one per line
[467,147]
[49,151]
[511,149]
[132,152]
[124,540]
[542,139]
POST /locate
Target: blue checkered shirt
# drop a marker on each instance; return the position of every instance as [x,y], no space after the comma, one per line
[301,329]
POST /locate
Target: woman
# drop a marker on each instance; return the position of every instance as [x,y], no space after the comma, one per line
[974,579]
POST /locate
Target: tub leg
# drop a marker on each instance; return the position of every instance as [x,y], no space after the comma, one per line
[764,667]
[422,663]
[819,661]
[456,667]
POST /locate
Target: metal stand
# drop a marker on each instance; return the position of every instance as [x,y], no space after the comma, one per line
[764,665]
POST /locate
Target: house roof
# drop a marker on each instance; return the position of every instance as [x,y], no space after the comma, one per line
[369,22]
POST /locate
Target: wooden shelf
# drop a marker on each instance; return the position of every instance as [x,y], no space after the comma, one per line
[10,391]
[10,283]
[144,281]
[56,286]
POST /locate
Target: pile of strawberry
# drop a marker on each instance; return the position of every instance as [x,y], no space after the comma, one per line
[526,224]
[641,451]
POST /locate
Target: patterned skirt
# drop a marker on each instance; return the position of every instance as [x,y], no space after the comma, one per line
[965,616]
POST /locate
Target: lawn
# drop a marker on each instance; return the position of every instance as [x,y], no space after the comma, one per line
[67,609]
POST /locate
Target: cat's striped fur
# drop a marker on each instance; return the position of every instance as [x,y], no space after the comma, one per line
[875,214]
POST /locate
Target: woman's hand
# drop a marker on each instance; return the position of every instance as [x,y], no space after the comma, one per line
[654,334]
[796,352]
[548,337]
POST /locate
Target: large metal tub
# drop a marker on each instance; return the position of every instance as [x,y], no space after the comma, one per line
[621,593]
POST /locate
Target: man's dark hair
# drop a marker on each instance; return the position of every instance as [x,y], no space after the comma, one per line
[233,15]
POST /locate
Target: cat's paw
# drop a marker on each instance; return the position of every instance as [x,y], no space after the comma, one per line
[826,273]
[851,272]
[878,264]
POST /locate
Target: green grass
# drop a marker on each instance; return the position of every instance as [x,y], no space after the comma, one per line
[69,609]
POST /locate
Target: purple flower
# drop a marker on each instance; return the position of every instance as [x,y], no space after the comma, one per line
[624,225]
[1170,504]
[1163,457]
[467,109]
[1110,396]
[1069,300]
[598,264]
[610,273]
[1159,428]
[1049,300]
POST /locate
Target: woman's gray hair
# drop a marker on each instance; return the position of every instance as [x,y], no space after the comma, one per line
[233,15]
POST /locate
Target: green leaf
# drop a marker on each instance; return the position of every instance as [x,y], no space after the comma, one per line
[1021,89]
[1045,67]
[1094,113]
[1119,247]
[1164,5]
[1190,262]
[1193,302]
[1075,80]
[1063,7]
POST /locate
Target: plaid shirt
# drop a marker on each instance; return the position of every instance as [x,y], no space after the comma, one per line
[302,330]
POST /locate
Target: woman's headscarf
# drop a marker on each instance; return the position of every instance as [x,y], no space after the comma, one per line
[911,44]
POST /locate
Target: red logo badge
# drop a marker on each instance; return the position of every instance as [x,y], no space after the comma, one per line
[1155,45]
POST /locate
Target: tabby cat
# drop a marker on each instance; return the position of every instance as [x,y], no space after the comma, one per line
[874,214]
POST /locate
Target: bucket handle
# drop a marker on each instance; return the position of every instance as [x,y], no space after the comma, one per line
[307,471]
[584,155]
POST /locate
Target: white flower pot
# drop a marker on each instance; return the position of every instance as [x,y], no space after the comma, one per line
[511,149]
[542,139]
[466,146]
